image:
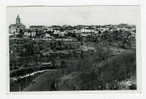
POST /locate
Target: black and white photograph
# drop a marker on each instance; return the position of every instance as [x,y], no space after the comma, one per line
[72,48]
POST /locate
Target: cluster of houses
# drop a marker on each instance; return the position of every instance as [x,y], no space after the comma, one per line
[66,32]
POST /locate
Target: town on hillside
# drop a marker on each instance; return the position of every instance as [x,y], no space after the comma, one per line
[72,57]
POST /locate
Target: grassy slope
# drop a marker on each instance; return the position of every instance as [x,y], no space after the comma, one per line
[44,82]
[117,68]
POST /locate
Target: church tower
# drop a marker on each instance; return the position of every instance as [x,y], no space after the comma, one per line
[18,20]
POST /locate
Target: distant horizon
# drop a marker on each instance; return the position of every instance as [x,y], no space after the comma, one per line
[27,26]
[92,15]
[75,25]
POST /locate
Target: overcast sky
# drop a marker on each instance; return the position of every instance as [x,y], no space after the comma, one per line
[91,15]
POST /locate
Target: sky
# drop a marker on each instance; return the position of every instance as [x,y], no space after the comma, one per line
[77,15]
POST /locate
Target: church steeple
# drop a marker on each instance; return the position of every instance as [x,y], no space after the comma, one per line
[18,19]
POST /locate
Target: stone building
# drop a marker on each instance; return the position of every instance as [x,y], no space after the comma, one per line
[14,29]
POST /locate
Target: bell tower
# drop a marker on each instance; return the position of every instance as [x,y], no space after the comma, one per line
[18,19]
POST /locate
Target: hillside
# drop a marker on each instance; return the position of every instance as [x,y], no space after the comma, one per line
[114,73]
